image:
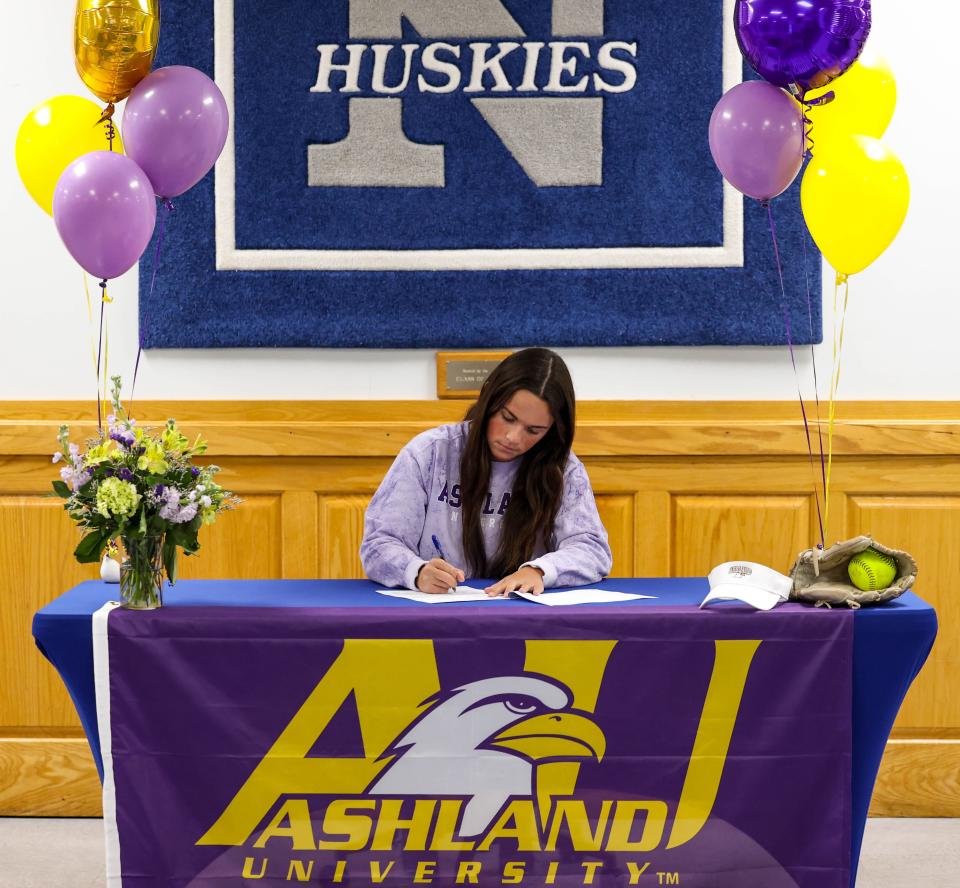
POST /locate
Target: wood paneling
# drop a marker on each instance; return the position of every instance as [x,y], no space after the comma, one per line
[708,530]
[680,487]
[341,531]
[928,527]
[918,778]
[36,558]
[617,514]
[48,777]
[246,544]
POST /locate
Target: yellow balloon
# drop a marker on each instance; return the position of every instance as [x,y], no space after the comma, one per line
[854,196]
[52,136]
[865,96]
[114,42]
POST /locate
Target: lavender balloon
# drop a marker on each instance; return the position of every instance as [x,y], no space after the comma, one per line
[175,125]
[756,138]
[104,210]
[801,44]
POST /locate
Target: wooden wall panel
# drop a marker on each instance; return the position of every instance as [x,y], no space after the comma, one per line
[36,558]
[617,515]
[341,531]
[929,529]
[709,530]
[44,777]
[680,487]
[246,544]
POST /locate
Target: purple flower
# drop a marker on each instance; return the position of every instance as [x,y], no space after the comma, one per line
[159,490]
[57,457]
[124,474]
[123,438]
[194,471]
[75,476]
[187,514]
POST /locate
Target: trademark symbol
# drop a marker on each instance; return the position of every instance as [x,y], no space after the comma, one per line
[668,878]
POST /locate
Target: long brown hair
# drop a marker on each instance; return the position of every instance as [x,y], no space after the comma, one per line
[538,485]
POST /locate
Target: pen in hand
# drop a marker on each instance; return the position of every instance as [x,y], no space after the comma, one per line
[445,567]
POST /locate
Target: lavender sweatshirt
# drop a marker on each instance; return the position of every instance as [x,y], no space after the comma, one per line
[420,498]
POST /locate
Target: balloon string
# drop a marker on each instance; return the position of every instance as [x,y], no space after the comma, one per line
[807,104]
[104,299]
[793,361]
[93,345]
[835,376]
[107,118]
[813,362]
[168,205]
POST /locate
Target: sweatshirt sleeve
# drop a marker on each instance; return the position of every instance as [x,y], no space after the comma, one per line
[394,524]
[582,555]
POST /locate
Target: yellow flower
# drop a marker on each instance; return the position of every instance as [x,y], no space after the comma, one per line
[172,439]
[98,454]
[152,459]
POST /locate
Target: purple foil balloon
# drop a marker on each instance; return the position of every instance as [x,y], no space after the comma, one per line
[801,44]
[175,125]
[104,210]
[756,138]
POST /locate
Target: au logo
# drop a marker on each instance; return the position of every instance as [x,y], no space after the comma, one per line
[483,52]
[503,754]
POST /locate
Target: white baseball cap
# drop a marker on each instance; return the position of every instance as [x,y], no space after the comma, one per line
[757,585]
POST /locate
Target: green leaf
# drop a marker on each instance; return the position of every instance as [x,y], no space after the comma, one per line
[170,559]
[91,547]
[61,489]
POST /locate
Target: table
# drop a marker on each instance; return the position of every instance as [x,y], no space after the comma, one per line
[890,643]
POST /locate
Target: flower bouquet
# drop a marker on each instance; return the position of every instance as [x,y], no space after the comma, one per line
[141,487]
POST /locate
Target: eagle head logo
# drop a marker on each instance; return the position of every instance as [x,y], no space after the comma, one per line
[484,741]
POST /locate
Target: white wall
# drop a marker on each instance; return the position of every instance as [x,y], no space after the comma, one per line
[901,336]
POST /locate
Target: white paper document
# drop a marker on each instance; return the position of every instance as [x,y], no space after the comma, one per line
[461,593]
[579,596]
[469,593]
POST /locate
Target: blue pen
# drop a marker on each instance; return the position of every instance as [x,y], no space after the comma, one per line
[436,545]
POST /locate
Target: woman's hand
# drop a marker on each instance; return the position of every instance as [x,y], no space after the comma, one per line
[527,579]
[437,577]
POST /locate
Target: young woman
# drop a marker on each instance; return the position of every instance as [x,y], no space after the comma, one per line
[499,495]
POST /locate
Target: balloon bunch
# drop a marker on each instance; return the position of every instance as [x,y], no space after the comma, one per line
[100,188]
[855,192]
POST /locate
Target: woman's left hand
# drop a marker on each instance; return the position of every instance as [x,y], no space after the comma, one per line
[527,579]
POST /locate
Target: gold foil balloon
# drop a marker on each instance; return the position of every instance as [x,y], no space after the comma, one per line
[114,42]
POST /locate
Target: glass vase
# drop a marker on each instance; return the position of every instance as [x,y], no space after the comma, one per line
[141,573]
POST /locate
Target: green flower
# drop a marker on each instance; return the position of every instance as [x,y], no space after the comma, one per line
[98,454]
[116,498]
[172,439]
[152,460]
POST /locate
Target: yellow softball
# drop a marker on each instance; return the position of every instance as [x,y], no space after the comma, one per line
[872,570]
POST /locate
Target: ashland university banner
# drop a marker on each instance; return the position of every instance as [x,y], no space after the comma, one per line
[336,746]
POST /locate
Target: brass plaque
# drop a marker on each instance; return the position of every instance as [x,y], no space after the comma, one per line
[461,374]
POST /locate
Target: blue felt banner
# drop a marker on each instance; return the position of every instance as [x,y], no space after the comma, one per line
[407,173]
